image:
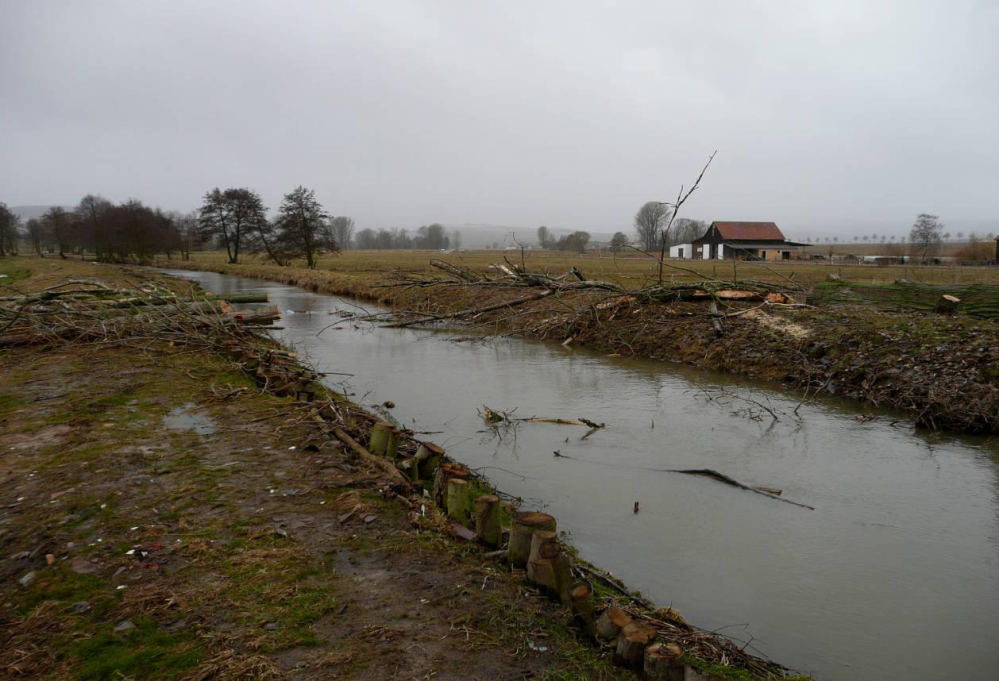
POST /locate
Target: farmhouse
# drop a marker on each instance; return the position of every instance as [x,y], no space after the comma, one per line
[740,241]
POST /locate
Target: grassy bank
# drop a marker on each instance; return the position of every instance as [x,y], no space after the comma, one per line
[941,370]
[628,267]
[165,517]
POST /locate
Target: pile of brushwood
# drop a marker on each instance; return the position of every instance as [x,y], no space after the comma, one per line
[91,310]
[657,643]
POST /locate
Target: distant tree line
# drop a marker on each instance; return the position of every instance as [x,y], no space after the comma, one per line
[428,237]
[130,231]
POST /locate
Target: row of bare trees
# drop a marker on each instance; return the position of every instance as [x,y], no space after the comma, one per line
[235,218]
[130,231]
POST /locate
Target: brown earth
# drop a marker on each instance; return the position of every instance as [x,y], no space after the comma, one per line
[160,517]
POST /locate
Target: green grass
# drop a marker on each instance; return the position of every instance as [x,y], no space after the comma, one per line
[143,653]
[14,268]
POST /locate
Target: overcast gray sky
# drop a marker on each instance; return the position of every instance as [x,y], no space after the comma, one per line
[510,113]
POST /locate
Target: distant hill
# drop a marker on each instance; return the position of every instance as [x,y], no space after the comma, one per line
[28,212]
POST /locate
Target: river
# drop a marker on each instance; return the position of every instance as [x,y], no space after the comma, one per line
[894,575]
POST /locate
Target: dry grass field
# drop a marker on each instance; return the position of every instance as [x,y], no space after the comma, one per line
[634,270]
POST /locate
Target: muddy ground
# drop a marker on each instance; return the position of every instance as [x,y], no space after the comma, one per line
[942,371]
[160,517]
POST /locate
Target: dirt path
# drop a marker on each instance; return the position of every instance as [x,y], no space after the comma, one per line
[161,518]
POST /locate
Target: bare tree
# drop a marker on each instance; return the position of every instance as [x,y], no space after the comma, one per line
[685,230]
[9,230]
[90,215]
[57,220]
[545,239]
[302,227]
[618,241]
[343,230]
[456,240]
[650,221]
[36,235]
[926,234]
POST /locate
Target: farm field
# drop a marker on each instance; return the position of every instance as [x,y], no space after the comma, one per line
[632,270]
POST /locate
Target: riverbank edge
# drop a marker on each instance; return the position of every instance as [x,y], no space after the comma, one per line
[939,370]
[287,377]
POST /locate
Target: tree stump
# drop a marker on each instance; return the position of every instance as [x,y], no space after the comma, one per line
[384,440]
[459,500]
[581,599]
[427,457]
[524,526]
[631,642]
[488,528]
[610,623]
[444,473]
[664,662]
[540,562]
[947,304]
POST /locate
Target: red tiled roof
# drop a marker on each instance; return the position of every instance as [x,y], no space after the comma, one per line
[749,231]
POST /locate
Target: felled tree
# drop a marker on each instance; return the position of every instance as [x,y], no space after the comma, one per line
[302,228]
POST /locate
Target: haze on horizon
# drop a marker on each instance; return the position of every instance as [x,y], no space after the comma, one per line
[826,116]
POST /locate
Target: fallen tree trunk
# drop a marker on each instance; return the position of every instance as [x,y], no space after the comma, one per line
[394,474]
[468,313]
[721,477]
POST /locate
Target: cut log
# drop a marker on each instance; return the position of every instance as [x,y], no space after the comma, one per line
[524,526]
[427,457]
[663,662]
[384,440]
[243,297]
[488,515]
[581,599]
[459,500]
[947,304]
[394,474]
[610,623]
[261,316]
[631,643]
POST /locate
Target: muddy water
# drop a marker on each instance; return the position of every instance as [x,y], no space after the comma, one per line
[895,574]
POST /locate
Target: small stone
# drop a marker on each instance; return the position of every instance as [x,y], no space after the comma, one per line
[270,626]
[124,625]
[82,566]
[368,519]
[27,579]
[81,607]
[70,545]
